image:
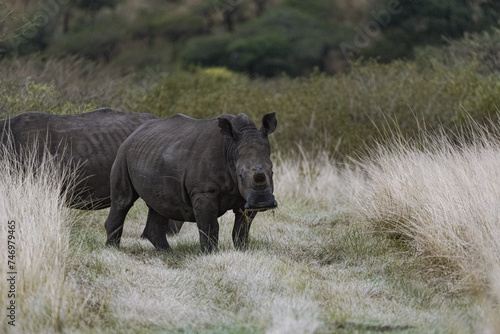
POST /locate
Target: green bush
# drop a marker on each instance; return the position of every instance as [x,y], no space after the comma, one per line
[284,40]
[265,54]
[180,27]
[29,33]
[430,22]
[206,51]
[172,27]
[138,59]
[323,10]
[94,6]
[200,93]
[34,96]
[96,42]
[484,48]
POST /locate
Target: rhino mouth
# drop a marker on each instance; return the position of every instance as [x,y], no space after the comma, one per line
[261,202]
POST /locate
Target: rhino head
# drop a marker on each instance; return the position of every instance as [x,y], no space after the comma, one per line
[249,157]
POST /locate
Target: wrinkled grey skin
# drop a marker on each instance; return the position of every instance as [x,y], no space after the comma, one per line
[194,170]
[89,141]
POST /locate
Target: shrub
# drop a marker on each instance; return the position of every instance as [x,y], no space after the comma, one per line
[428,22]
[198,94]
[173,27]
[34,97]
[483,48]
[29,33]
[342,113]
[264,54]
[180,27]
[284,40]
[95,42]
[320,9]
[206,51]
[137,59]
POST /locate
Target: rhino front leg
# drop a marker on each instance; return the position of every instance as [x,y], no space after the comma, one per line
[155,230]
[242,223]
[205,209]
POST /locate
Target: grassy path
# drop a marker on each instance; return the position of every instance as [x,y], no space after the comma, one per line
[308,271]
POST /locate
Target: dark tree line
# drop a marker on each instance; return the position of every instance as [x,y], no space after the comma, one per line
[260,37]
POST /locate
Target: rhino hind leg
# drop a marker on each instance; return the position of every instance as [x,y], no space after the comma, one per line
[156,229]
[174,226]
[242,223]
[123,196]
[114,225]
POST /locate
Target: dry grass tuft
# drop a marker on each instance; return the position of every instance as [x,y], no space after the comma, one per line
[30,196]
[443,198]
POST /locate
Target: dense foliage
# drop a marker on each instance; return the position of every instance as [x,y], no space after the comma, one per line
[430,22]
[283,41]
[257,37]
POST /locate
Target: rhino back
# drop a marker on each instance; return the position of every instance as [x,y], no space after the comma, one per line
[84,135]
[88,140]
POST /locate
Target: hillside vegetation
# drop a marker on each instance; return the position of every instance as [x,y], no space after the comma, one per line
[262,38]
[339,114]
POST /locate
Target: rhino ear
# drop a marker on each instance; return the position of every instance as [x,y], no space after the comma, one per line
[269,124]
[227,129]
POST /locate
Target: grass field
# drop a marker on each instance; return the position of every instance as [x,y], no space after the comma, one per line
[403,242]
[396,237]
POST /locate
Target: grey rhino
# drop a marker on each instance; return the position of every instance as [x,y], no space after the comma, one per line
[194,170]
[87,141]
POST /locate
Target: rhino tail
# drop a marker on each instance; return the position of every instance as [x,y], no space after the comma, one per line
[123,193]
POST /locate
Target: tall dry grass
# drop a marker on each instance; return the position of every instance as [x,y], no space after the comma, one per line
[441,196]
[310,181]
[30,195]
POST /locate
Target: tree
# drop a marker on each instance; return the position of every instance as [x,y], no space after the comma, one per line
[425,22]
[94,6]
[227,13]
[281,41]
[260,6]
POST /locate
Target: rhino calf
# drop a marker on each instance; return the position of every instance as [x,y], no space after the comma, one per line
[194,170]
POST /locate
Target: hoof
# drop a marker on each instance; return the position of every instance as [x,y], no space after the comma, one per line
[113,243]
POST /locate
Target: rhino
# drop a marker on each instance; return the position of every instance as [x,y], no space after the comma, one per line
[194,170]
[87,142]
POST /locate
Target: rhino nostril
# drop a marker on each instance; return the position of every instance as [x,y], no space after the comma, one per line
[259,178]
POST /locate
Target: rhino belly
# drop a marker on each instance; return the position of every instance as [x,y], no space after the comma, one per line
[163,193]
